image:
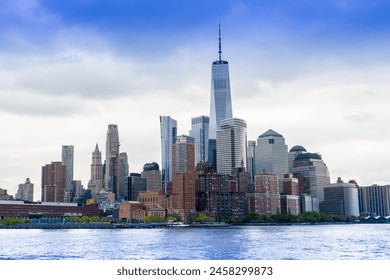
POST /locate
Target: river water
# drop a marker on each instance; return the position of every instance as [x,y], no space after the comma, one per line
[296,242]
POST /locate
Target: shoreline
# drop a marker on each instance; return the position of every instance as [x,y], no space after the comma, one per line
[158,225]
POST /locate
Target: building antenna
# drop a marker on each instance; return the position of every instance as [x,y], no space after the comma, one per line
[220,48]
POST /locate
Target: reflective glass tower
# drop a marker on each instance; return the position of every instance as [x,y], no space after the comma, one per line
[168,128]
[200,132]
[220,101]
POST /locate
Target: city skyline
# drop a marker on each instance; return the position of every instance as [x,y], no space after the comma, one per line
[314,72]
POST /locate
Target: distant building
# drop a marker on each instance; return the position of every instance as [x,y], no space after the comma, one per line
[95,184]
[221,195]
[251,160]
[111,175]
[374,200]
[25,191]
[183,184]
[123,172]
[265,199]
[151,172]
[45,210]
[131,211]
[154,202]
[289,198]
[134,184]
[4,195]
[340,199]
[200,132]
[231,145]
[168,129]
[313,175]
[271,155]
[53,182]
[67,156]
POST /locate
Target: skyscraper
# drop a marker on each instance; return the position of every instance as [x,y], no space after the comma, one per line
[95,184]
[112,159]
[168,128]
[123,172]
[200,132]
[67,160]
[272,155]
[220,100]
[231,145]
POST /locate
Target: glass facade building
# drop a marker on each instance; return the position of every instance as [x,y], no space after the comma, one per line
[168,129]
[220,101]
[200,132]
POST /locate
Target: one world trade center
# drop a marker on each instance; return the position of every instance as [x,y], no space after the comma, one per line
[220,101]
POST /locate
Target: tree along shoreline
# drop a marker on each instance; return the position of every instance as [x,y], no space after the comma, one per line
[202,220]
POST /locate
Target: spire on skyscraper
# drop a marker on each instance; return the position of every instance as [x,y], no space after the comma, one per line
[220,45]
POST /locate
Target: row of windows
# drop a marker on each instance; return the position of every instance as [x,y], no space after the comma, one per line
[220,84]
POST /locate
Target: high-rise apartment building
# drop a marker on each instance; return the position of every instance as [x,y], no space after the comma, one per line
[374,200]
[200,132]
[271,155]
[25,191]
[168,129]
[151,172]
[231,145]
[53,182]
[112,159]
[68,160]
[183,184]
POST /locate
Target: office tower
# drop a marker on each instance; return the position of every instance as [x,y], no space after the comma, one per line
[25,191]
[271,154]
[183,184]
[313,175]
[133,185]
[95,184]
[293,153]
[53,182]
[231,145]
[220,101]
[340,199]
[251,160]
[151,172]
[112,159]
[265,199]
[168,129]
[67,160]
[123,172]
[374,200]
[200,132]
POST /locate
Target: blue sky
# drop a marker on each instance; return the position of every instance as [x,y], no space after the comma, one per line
[315,71]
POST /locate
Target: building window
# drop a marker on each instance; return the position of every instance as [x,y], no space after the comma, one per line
[271,141]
